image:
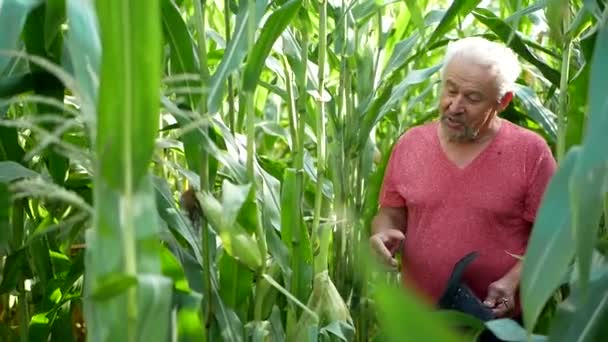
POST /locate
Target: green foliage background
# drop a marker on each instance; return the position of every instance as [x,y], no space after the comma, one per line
[207,170]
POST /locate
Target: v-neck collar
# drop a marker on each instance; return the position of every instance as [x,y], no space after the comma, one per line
[481,155]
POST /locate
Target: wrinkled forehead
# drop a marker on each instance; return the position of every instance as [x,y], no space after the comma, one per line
[466,72]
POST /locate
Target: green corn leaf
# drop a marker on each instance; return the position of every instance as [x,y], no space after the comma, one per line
[112,285]
[11,171]
[278,334]
[394,304]
[416,12]
[362,12]
[235,282]
[234,53]
[506,34]
[458,8]
[192,266]
[459,320]
[229,158]
[400,55]
[383,104]
[15,85]
[10,149]
[39,252]
[12,16]
[154,302]
[551,246]
[231,327]
[172,269]
[129,90]
[265,293]
[62,329]
[183,59]
[582,21]
[234,198]
[183,62]
[5,223]
[47,84]
[583,316]
[594,8]
[15,267]
[189,327]
[578,90]
[191,140]
[271,218]
[344,331]
[177,223]
[517,15]
[39,327]
[555,12]
[537,111]
[589,182]
[276,24]
[84,46]
[55,16]
[507,329]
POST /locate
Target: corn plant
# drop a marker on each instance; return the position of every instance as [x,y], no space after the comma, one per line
[208,170]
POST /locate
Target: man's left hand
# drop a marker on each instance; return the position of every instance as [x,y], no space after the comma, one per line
[501,297]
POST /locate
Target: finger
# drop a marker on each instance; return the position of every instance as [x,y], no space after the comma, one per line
[489,302]
[495,295]
[393,234]
[395,246]
[491,298]
[384,253]
[393,240]
[500,310]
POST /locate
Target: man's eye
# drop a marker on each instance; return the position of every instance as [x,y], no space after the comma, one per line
[473,99]
[452,92]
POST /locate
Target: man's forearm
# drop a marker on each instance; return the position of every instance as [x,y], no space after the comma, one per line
[389,218]
[383,222]
[514,274]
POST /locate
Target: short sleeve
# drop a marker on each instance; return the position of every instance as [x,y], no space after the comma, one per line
[543,167]
[389,192]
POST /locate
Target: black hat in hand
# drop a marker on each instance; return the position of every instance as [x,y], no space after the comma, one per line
[458,296]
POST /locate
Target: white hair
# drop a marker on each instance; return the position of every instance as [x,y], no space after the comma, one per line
[487,53]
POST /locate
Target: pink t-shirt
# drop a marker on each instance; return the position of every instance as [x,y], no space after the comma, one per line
[488,206]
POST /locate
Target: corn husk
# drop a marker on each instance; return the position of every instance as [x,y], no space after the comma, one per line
[235,239]
[326,302]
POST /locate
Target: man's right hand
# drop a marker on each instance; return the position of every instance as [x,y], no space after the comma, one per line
[385,243]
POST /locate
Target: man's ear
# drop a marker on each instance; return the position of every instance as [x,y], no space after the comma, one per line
[504,102]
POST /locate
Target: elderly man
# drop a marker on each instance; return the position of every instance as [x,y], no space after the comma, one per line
[469,181]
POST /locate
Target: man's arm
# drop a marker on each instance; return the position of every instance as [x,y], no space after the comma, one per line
[389,218]
[388,231]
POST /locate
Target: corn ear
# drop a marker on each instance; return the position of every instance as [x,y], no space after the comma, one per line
[326,302]
[235,240]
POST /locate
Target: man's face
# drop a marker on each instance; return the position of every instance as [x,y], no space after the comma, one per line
[469,99]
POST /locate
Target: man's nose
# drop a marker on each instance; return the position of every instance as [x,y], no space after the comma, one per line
[456,104]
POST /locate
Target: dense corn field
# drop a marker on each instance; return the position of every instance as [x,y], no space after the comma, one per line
[184,170]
